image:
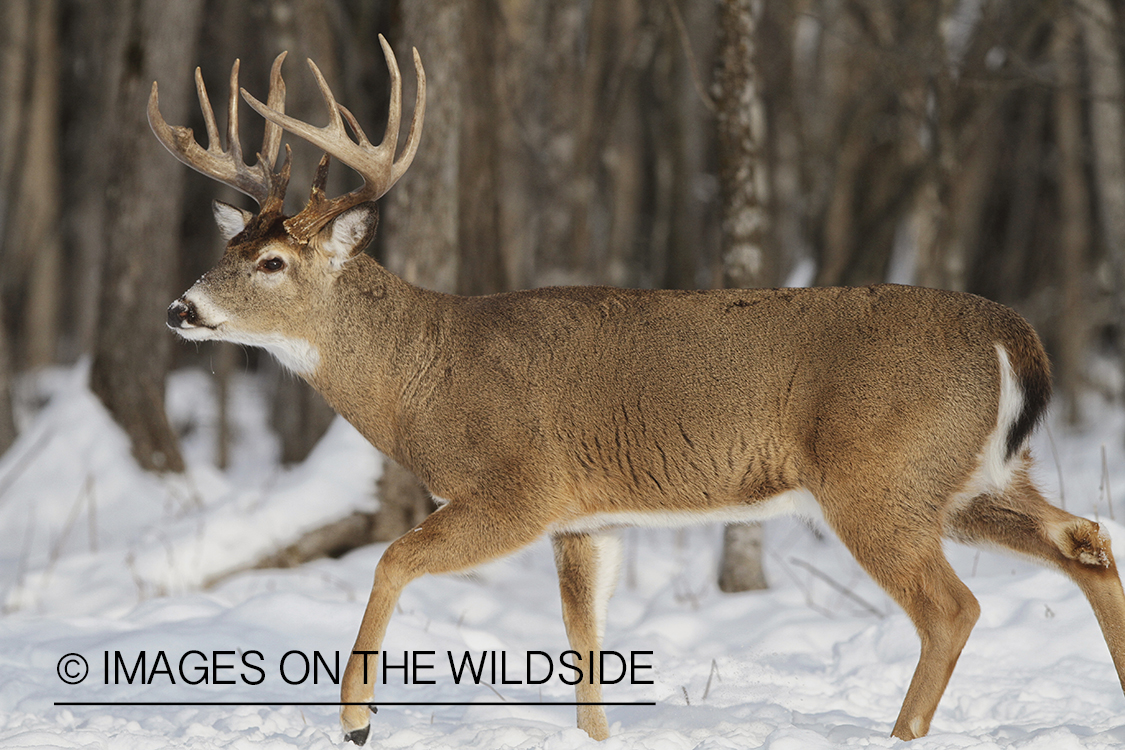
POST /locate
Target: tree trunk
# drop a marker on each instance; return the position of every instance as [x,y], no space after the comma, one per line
[7,419]
[88,34]
[744,185]
[29,225]
[481,268]
[154,40]
[743,167]
[1074,200]
[423,226]
[15,17]
[298,414]
[740,567]
[685,140]
[1100,34]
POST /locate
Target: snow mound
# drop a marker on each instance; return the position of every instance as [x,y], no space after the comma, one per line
[103,561]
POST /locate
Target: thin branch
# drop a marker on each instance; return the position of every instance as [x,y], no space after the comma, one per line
[838,586]
[1058,466]
[714,673]
[689,53]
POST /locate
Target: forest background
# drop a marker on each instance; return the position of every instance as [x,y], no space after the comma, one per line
[975,145]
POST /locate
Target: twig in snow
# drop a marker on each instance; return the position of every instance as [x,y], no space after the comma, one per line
[25,555]
[1104,488]
[837,586]
[92,513]
[714,673]
[495,691]
[1058,466]
[71,518]
[687,700]
[24,462]
[683,593]
[801,585]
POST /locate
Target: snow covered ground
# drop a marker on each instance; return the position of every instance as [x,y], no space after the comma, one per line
[101,560]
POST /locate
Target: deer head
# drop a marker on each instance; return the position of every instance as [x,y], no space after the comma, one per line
[277,268]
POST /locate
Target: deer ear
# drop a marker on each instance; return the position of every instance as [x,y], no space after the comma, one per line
[349,233]
[231,219]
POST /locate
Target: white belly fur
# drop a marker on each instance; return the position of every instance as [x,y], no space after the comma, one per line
[793,502]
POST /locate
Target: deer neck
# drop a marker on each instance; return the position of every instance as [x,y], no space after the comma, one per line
[380,346]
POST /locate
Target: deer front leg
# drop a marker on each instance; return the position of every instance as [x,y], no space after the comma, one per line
[459,536]
[588,565]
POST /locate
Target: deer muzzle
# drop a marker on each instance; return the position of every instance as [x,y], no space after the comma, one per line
[182,314]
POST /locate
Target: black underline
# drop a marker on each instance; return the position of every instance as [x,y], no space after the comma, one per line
[363,703]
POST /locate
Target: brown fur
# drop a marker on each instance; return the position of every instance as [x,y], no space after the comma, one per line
[531,411]
[534,412]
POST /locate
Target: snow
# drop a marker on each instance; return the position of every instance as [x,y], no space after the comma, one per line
[98,557]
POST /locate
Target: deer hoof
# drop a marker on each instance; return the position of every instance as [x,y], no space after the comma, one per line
[358,736]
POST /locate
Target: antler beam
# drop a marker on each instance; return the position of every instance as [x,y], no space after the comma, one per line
[260,181]
[376,164]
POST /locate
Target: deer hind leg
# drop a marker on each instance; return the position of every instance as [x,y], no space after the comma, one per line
[456,537]
[899,545]
[588,567]
[1020,520]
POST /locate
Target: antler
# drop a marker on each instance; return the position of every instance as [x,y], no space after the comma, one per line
[260,182]
[376,164]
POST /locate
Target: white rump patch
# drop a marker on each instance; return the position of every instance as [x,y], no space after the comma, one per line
[994,471]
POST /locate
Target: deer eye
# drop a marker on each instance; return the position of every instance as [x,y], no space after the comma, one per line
[271,264]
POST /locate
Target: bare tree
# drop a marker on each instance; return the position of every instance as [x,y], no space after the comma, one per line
[686,232]
[152,40]
[1100,22]
[1074,200]
[744,181]
[298,414]
[29,175]
[480,269]
[421,231]
[7,419]
[743,166]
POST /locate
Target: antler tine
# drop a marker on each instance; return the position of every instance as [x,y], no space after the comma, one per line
[394,109]
[233,142]
[271,140]
[205,105]
[335,124]
[354,125]
[376,164]
[414,137]
[226,165]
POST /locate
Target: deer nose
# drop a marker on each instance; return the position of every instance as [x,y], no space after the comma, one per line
[181,313]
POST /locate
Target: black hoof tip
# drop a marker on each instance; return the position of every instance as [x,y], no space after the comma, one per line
[358,736]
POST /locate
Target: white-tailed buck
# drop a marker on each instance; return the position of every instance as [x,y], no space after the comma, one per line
[902,413]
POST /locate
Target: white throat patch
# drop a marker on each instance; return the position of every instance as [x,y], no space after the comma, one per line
[296,354]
